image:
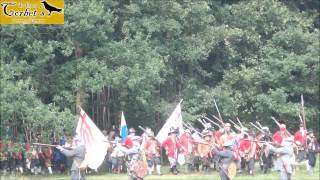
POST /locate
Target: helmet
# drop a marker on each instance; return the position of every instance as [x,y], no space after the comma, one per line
[132,130]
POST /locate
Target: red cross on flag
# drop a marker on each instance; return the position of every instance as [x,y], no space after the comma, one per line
[174,121]
[94,140]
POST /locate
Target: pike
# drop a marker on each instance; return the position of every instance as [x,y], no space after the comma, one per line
[203,124]
[256,127]
[193,129]
[239,122]
[235,125]
[212,121]
[188,126]
[221,122]
[41,144]
[257,122]
[274,119]
[300,118]
[218,110]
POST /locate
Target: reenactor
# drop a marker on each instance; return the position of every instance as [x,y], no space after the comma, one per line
[299,139]
[204,150]
[136,163]
[284,153]
[247,149]
[152,149]
[77,152]
[313,148]
[225,160]
[171,146]
[187,148]
[265,155]
[117,157]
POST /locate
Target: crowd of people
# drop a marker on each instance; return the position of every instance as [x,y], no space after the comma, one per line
[197,151]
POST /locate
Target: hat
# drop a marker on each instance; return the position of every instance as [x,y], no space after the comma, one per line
[151,134]
[227,125]
[282,127]
[310,131]
[208,125]
[206,133]
[227,144]
[173,130]
[265,128]
[148,130]
[244,129]
[132,130]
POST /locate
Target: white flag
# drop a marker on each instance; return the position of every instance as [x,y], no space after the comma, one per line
[174,121]
[94,140]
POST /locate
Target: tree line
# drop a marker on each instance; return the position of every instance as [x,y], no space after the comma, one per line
[255,58]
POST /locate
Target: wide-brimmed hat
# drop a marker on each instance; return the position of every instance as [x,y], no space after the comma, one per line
[227,125]
[173,131]
[227,144]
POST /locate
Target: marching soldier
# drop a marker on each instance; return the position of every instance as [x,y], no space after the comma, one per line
[152,150]
[313,148]
[205,151]
[78,154]
[226,158]
[171,145]
[299,140]
[265,155]
[284,152]
[136,164]
[128,141]
[247,149]
[187,148]
[228,134]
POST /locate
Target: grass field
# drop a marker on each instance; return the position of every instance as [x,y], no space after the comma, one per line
[300,174]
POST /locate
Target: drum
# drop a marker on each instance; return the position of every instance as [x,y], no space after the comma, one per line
[140,168]
[232,170]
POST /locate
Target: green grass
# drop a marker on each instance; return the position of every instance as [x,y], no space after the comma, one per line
[300,174]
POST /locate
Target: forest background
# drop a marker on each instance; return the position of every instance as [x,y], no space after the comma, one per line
[254,57]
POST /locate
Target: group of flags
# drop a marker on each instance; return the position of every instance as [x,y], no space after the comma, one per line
[96,143]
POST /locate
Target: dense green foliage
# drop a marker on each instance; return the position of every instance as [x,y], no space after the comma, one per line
[254,57]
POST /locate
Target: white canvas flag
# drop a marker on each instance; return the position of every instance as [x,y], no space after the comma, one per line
[94,140]
[174,121]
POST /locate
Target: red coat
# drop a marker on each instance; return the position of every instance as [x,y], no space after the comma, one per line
[152,147]
[245,146]
[186,143]
[128,142]
[277,137]
[299,137]
[171,147]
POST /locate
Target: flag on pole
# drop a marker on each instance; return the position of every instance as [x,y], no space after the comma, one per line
[175,121]
[123,128]
[94,140]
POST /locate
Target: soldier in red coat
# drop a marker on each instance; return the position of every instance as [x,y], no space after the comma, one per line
[128,141]
[187,148]
[278,136]
[171,145]
[300,140]
[152,150]
[247,150]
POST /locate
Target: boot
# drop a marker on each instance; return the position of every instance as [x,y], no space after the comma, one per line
[158,167]
[174,170]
